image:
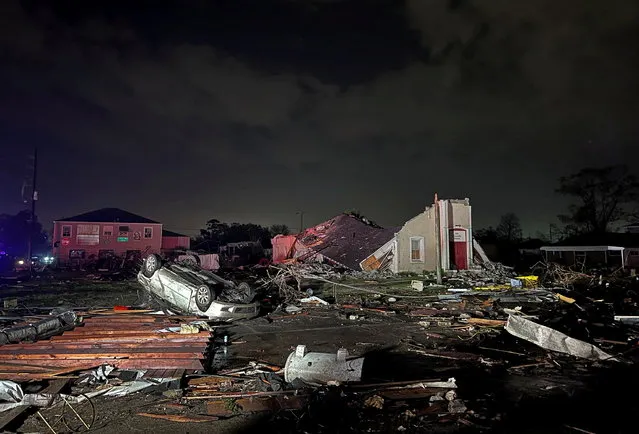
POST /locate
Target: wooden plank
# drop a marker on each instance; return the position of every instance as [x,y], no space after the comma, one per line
[64,345]
[145,335]
[120,325]
[145,320]
[10,354]
[209,380]
[132,317]
[486,322]
[160,363]
[79,333]
[119,312]
[147,354]
[87,364]
[23,367]
[56,373]
[151,341]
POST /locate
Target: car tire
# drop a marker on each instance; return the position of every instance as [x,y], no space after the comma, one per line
[203,297]
[248,293]
[151,264]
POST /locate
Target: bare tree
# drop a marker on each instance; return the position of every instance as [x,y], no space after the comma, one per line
[279,230]
[509,228]
[486,235]
[602,195]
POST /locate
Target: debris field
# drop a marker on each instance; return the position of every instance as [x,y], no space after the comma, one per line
[337,351]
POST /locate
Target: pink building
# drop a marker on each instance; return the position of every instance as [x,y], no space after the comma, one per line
[172,240]
[105,232]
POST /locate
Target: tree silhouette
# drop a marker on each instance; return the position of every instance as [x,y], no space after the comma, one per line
[602,196]
[14,234]
[509,228]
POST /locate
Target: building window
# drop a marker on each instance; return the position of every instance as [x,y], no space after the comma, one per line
[633,253]
[417,249]
[88,235]
[123,229]
[107,231]
[66,231]
[148,233]
[76,254]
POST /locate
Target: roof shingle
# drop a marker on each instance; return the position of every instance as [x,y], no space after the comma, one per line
[110,215]
[346,239]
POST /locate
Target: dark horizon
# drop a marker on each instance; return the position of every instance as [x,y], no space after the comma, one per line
[251,111]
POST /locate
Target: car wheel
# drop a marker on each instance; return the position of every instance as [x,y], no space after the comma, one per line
[151,264]
[246,292]
[203,297]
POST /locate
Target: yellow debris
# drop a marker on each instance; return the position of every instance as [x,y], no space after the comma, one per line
[528,281]
[565,299]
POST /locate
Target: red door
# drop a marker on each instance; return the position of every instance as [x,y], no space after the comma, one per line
[459,248]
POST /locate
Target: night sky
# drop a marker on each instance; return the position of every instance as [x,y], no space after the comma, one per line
[250,110]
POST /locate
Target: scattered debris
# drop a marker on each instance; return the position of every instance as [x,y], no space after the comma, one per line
[375,401]
[477,324]
[417,285]
[314,300]
[180,418]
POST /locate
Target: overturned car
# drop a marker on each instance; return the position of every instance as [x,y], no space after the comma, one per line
[190,289]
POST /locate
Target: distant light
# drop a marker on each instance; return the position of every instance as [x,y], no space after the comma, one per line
[20,262]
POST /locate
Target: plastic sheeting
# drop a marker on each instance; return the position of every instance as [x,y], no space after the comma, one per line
[553,340]
[10,391]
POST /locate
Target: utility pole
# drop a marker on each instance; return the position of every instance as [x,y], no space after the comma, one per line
[34,198]
[438,240]
[301,214]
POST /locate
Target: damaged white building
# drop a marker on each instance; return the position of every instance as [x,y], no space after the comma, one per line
[414,246]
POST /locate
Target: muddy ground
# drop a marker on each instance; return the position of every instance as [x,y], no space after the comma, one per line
[566,395]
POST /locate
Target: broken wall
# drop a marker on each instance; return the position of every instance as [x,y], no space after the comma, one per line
[282,247]
[383,259]
[455,215]
[420,227]
[456,226]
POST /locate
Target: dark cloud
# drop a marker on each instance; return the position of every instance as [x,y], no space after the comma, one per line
[221,110]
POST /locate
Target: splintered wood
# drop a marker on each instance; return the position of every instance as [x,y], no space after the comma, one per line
[559,275]
[126,341]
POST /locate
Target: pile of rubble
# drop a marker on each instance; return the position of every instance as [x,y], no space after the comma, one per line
[480,325]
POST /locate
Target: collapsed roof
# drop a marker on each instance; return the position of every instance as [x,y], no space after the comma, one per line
[346,240]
